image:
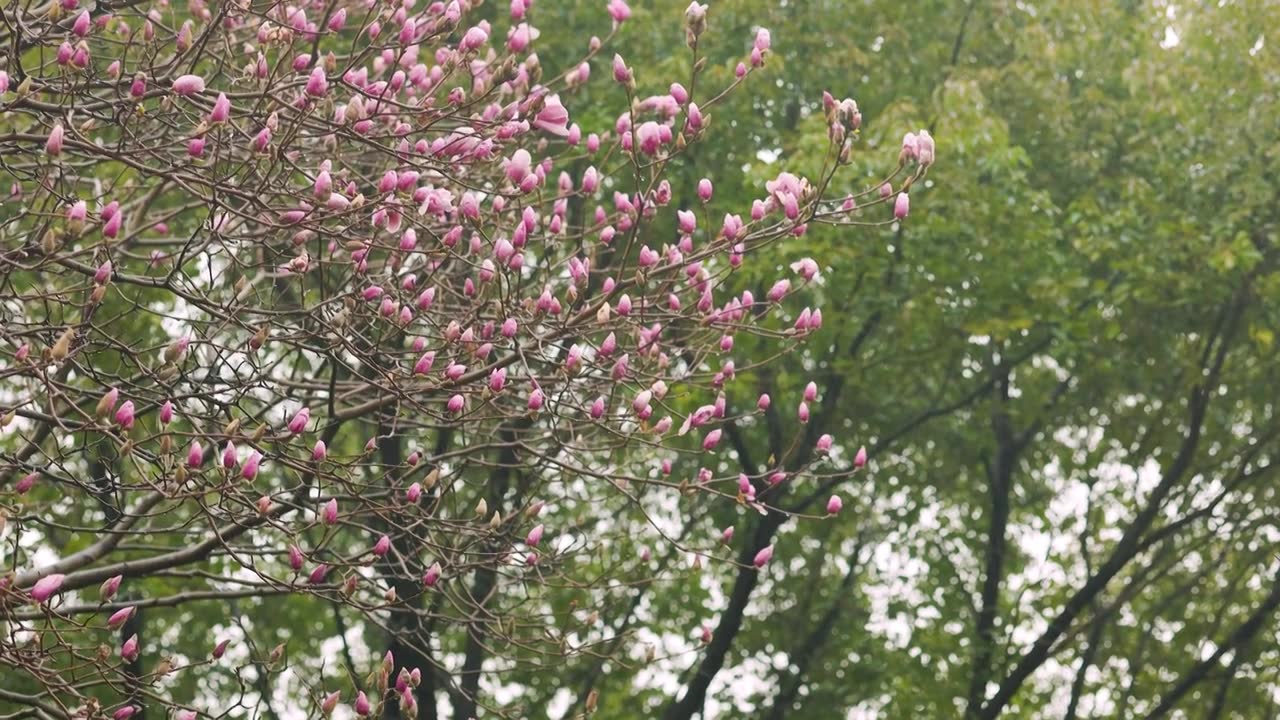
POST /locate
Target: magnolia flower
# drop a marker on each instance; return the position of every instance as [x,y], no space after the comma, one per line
[124,416]
[901,206]
[53,146]
[188,85]
[120,617]
[46,587]
[535,536]
[432,576]
[195,455]
[763,557]
[834,505]
[129,649]
[553,117]
[299,421]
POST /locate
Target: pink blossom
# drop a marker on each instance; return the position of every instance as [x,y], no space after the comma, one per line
[53,146]
[619,11]
[46,587]
[129,649]
[535,536]
[860,458]
[901,206]
[120,617]
[553,117]
[704,190]
[834,505]
[188,85]
[432,576]
[195,455]
[763,557]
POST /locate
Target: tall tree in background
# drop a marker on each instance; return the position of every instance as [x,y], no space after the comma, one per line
[348,367]
[1061,367]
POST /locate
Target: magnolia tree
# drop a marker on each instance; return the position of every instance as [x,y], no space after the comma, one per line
[335,306]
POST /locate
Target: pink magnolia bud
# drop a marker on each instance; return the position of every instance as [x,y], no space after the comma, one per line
[250,468]
[195,455]
[535,536]
[763,557]
[124,416]
[299,421]
[362,706]
[432,575]
[597,408]
[456,404]
[46,587]
[129,650]
[27,482]
[704,190]
[811,391]
[53,146]
[473,39]
[320,451]
[901,206]
[834,505]
[80,27]
[125,712]
[166,412]
[120,617]
[221,109]
[338,20]
[317,83]
[694,120]
[536,399]
[188,85]
[824,443]
[318,575]
[296,559]
[802,412]
[381,547]
[229,458]
[329,703]
[860,458]
[330,513]
[110,587]
[220,648]
[621,73]
[619,11]
[424,363]
[413,493]
[711,440]
[111,228]
[77,214]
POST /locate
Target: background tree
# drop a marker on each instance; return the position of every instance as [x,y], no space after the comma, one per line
[1061,368]
[337,378]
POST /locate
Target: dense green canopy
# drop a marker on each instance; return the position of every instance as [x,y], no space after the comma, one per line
[1064,370]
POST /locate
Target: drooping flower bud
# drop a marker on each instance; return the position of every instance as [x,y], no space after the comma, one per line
[834,505]
[188,85]
[763,557]
[46,587]
[195,455]
[110,587]
[120,617]
[432,576]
